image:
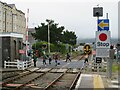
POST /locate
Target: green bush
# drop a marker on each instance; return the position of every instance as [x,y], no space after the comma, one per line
[53,47]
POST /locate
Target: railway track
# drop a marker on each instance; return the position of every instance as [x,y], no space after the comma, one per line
[49,79]
[5,81]
[10,74]
[44,80]
[65,81]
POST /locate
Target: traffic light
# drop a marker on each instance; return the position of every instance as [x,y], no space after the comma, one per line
[98,11]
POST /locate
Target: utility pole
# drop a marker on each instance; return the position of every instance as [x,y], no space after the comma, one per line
[27,32]
[49,22]
[48,39]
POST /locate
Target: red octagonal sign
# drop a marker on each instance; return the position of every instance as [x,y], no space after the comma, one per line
[102,36]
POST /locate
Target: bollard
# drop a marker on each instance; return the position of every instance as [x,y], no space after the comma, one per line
[18,64]
[23,65]
[4,64]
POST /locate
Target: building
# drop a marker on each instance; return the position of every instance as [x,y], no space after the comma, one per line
[12,19]
[12,32]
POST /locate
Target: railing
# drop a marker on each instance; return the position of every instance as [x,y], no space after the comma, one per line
[18,64]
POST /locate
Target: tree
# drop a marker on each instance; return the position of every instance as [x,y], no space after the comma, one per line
[42,32]
[69,37]
[57,33]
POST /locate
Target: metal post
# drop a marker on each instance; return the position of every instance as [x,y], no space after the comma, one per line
[98,68]
[111,57]
[109,71]
[107,15]
[97,23]
[110,68]
[48,39]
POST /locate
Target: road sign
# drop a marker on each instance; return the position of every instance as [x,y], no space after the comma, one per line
[87,49]
[98,59]
[103,24]
[103,39]
[102,52]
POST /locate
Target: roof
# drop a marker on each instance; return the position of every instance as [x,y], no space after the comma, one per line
[11,6]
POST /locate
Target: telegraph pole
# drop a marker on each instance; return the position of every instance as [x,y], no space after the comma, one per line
[27,32]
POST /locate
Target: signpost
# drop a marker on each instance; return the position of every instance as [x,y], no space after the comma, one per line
[103,24]
[98,60]
[102,43]
[87,49]
[102,37]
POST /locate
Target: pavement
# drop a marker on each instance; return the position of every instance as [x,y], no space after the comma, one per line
[91,81]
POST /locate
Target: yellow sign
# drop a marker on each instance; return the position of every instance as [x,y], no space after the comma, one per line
[102,25]
[87,49]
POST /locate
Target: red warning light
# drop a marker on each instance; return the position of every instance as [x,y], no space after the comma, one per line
[102,36]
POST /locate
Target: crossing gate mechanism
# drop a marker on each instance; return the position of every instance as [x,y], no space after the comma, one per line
[87,49]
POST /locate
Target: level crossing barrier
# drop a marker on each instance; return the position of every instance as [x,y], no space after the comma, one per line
[18,64]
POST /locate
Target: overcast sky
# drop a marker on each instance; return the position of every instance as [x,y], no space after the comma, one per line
[75,15]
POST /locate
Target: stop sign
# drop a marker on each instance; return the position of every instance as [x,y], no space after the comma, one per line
[102,39]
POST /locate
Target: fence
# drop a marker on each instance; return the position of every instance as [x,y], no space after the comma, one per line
[18,64]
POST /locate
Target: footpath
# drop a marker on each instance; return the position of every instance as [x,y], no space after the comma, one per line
[93,80]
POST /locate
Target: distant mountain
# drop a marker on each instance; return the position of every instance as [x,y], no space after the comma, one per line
[91,40]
